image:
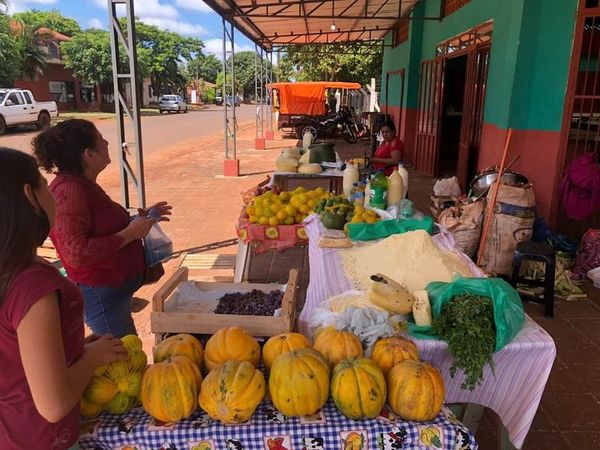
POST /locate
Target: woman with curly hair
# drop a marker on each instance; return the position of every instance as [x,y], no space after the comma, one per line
[97,242]
[46,364]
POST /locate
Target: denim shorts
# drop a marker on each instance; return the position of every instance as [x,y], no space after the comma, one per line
[108,309]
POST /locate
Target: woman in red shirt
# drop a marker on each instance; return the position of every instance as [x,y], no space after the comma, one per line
[45,363]
[391,150]
[98,244]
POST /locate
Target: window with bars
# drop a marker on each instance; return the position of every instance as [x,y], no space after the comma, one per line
[401,32]
[451,6]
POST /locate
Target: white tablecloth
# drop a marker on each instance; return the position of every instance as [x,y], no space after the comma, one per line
[522,367]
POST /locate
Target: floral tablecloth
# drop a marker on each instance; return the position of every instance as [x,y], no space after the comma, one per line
[267,237]
[268,429]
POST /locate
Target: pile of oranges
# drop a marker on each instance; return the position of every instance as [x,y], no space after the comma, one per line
[284,208]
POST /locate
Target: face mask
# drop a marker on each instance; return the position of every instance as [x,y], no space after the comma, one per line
[43,224]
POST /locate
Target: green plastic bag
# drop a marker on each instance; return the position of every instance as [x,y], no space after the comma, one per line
[385,228]
[508,308]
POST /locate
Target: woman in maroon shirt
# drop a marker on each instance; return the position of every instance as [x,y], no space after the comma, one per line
[391,150]
[99,246]
[45,363]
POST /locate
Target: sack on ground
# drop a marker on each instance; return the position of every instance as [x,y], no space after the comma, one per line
[464,222]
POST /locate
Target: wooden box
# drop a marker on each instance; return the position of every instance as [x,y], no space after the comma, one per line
[174,316]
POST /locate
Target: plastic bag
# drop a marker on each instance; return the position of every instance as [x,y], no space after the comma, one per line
[157,245]
[385,228]
[508,309]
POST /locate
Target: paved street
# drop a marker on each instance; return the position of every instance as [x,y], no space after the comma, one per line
[158,132]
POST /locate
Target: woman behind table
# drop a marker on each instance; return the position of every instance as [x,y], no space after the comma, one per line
[99,246]
[45,363]
[391,150]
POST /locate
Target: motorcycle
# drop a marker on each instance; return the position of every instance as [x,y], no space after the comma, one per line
[340,121]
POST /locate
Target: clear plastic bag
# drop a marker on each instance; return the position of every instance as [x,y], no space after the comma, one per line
[157,245]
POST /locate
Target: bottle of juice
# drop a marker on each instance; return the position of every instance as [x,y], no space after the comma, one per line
[351,176]
[379,186]
[404,174]
[395,188]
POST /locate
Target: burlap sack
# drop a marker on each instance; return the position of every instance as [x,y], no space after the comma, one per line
[512,222]
[464,221]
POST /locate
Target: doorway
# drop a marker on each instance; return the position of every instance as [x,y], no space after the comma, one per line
[452,111]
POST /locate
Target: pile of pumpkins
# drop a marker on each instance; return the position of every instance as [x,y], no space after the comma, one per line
[300,377]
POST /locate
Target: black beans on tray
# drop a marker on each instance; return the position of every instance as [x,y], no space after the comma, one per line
[254,303]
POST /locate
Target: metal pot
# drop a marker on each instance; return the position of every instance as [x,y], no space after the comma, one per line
[482,182]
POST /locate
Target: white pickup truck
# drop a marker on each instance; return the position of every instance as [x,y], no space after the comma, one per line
[18,107]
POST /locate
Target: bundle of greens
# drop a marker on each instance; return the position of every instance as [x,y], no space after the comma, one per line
[466,323]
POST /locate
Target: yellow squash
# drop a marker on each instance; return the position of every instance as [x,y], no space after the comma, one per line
[299,382]
[180,344]
[415,390]
[358,388]
[231,392]
[233,343]
[336,345]
[169,389]
[387,352]
[282,343]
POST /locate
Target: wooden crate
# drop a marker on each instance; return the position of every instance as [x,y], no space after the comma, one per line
[174,318]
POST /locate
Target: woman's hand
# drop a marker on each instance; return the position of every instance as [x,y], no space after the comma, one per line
[106,349]
[137,229]
[163,209]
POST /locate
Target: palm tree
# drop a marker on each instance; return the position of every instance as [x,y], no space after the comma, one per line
[29,42]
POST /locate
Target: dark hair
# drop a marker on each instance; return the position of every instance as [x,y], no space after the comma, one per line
[388,123]
[62,146]
[18,218]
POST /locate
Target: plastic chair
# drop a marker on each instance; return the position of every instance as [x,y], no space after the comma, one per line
[541,252]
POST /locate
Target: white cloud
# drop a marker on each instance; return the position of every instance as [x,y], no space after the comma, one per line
[15,6]
[215,46]
[195,5]
[95,23]
[176,26]
[145,9]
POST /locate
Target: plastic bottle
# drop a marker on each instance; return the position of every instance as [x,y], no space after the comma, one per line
[359,198]
[395,192]
[367,200]
[379,187]
[404,174]
[351,176]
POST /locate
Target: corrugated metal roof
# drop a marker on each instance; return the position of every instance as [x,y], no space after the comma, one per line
[272,23]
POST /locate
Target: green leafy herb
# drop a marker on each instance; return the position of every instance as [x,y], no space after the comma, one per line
[466,323]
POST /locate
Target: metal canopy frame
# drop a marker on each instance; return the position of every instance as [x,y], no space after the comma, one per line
[126,81]
[314,21]
[229,90]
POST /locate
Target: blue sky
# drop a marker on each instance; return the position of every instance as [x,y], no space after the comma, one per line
[187,17]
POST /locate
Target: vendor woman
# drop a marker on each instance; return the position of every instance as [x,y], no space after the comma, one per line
[391,150]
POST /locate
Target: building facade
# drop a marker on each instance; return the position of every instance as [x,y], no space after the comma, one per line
[460,73]
[58,83]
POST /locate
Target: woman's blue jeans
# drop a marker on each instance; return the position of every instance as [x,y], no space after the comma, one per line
[108,309]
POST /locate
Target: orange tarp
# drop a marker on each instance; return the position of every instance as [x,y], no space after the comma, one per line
[306,97]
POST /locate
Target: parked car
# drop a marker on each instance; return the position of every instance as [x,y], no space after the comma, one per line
[18,107]
[231,100]
[219,100]
[172,103]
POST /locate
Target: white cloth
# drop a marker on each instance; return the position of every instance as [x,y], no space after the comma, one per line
[522,367]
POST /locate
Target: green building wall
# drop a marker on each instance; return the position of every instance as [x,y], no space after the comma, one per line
[529,61]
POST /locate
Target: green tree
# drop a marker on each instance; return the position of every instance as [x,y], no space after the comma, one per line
[87,54]
[244,74]
[351,62]
[204,67]
[10,59]
[53,20]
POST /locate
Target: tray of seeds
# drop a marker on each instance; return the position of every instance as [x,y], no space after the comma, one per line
[181,305]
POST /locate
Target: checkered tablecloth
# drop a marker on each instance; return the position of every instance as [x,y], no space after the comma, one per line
[270,430]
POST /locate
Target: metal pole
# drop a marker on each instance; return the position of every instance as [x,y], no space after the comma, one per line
[130,78]
[223,92]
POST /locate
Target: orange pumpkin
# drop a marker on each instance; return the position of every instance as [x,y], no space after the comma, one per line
[180,345]
[336,345]
[388,352]
[280,344]
[169,390]
[415,390]
[233,343]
